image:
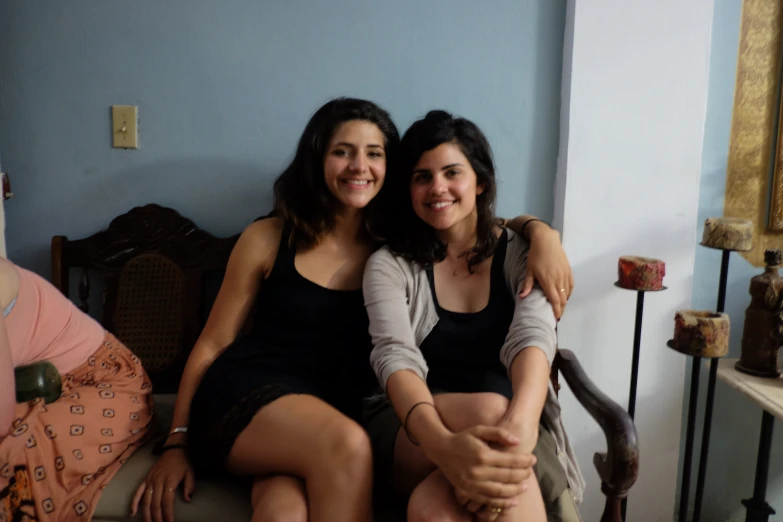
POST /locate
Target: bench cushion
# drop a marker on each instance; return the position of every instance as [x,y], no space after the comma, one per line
[211,500]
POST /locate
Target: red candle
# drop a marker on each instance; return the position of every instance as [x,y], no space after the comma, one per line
[640,273]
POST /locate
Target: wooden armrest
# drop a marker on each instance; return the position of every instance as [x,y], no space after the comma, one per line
[619,466]
[36,380]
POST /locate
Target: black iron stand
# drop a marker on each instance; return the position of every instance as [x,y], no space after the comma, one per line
[637,343]
[757,509]
[705,436]
[686,465]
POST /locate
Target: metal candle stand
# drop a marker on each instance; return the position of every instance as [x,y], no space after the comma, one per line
[637,341]
[693,406]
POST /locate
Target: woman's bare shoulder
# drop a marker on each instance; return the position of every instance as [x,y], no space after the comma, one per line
[258,244]
[265,230]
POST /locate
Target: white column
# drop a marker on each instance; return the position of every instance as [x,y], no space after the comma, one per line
[634,100]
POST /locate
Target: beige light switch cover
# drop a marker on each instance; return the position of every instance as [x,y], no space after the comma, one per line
[125,132]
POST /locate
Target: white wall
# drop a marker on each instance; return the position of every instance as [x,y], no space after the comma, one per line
[635,96]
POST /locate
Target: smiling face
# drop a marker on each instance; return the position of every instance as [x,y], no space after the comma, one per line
[355,163]
[444,188]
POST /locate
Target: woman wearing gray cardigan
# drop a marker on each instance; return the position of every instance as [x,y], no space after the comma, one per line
[463,359]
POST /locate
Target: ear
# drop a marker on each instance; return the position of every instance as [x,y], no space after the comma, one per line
[480,189]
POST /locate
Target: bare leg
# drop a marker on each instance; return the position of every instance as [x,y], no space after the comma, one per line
[433,501]
[531,505]
[301,435]
[279,498]
[459,411]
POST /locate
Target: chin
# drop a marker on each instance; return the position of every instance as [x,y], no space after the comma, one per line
[437,224]
[356,203]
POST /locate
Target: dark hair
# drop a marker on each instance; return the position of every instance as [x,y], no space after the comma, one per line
[301,195]
[414,239]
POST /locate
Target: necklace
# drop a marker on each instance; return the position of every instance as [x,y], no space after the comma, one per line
[461,258]
[458,270]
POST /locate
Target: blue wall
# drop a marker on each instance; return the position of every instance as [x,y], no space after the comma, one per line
[736,420]
[225,88]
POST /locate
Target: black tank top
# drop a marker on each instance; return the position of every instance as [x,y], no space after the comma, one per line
[314,332]
[463,349]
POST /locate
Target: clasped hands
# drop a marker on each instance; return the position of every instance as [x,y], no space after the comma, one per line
[489,467]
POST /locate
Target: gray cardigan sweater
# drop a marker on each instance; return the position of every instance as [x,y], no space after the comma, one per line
[402,313]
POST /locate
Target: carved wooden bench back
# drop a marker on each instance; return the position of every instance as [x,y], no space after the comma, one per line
[159,273]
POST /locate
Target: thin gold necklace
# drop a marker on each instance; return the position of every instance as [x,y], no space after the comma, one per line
[457,271]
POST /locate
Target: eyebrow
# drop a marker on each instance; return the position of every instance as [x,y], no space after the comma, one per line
[351,145]
[445,167]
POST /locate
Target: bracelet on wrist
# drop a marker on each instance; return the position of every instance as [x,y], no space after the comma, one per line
[526,223]
[180,429]
[167,447]
[161,446]
[408,416]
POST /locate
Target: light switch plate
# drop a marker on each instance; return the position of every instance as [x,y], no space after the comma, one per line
[124,126]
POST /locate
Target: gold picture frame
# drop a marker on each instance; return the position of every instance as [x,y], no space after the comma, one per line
[749,190]
[776,203]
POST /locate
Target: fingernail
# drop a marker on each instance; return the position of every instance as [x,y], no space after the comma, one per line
[513,439]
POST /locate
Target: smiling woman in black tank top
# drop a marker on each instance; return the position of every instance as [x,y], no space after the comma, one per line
[278,405]
[443,314]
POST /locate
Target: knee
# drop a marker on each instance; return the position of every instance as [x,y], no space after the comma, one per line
[489,408]
[347,449]
[280,512]
[278,499]
[423,508]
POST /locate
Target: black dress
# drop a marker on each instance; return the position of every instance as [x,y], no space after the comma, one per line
[462,349]
[306,339]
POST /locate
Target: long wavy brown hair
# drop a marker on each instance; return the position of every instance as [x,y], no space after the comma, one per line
[412,238]
[301,195]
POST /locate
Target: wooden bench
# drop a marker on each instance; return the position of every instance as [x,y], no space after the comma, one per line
[157,274]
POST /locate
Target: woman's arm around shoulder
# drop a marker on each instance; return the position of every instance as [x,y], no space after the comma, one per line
[547,261]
